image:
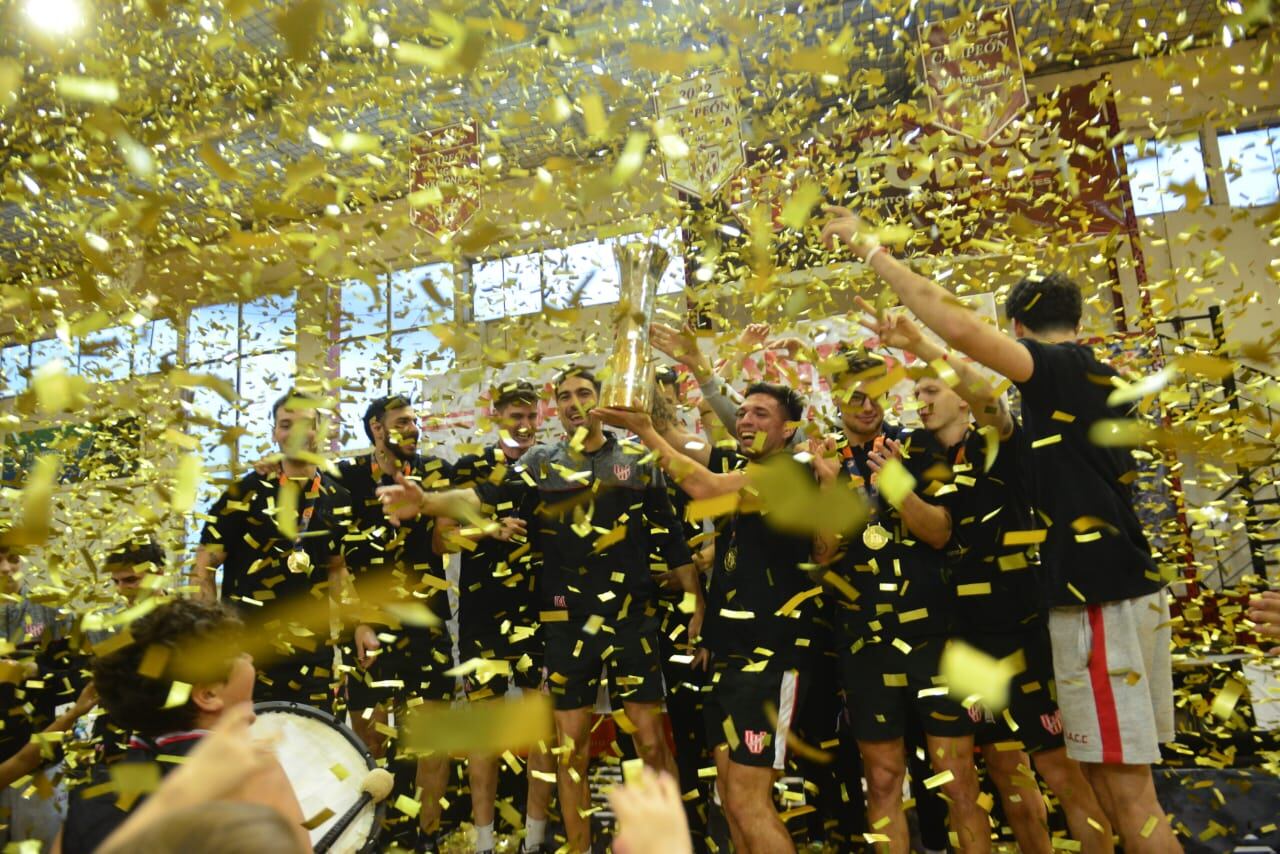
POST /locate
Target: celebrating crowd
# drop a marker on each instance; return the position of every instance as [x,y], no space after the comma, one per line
[790,597]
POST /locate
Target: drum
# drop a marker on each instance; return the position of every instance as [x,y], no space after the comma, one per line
[326,763]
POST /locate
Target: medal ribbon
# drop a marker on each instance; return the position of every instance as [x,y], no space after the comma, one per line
[304,518]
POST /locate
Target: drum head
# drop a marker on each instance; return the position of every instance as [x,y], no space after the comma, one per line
[326,762]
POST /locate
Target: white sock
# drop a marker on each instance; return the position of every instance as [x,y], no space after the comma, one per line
[535,831]
[484,837]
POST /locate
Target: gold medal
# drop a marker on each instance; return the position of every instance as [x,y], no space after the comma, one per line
[298,561]
[875,537]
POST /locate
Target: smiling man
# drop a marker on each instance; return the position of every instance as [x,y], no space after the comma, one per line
[280,583]
[762,617]
[401,664]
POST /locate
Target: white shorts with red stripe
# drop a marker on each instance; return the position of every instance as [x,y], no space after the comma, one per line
[1113,667]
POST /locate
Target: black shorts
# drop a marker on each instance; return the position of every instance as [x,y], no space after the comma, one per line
[525,659]
[1031,693]
[307,678]
[413,667]
[753,713]
[882,689]
[627,646]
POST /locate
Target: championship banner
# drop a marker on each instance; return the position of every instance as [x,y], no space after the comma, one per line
[445,188]
[703,111]
[973,73]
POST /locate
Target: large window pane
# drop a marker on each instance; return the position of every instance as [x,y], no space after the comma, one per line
[580,275]
[105,354]
[213,415]
[1156,167]
[263,379]
[267,323]
[362,364]
[1249,160]
[13,363]
[364,308]
[421,296]
[507,287]
[156,341]
[415,354]
[47,350]
[212,332]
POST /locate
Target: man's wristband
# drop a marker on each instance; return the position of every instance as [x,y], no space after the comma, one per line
[879,247]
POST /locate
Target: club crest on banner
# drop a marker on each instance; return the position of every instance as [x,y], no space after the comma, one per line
[973,73]
[703,113]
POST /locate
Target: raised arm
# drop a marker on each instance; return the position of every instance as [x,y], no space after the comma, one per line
[930,522]
[696,480]
[896,330]
[936,307]
[682,345]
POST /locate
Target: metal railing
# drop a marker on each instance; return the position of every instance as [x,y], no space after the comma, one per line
[1255,485]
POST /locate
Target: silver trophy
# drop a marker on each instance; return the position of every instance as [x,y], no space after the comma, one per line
[628,375]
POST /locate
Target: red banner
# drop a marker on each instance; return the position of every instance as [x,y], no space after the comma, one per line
[973,73]
[445,187]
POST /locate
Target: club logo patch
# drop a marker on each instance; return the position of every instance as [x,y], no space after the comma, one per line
[1052,723]
[755,740]
[622,471]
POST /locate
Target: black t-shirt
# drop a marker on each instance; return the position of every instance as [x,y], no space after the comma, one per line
[597,514]
[1095,549]
[498,580]
[404,552]
[760,572]
[901,589]
[255,568]
[996,586]
[93,815]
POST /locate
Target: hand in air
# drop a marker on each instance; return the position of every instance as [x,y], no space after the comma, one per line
[651,817]
[893,328]
[882,453]
[845,228]
[824,461]
[679,344]
[402,501]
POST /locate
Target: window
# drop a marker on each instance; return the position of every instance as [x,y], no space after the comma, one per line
[1160,171]
[1251,164]
[250,346]
[14,361]
[507,287]
[386,343]
[106,355]
[582,274]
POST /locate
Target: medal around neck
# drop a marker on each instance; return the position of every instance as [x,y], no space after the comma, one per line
[298,561]
[875,537]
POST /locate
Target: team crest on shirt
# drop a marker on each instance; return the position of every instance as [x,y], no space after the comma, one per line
[1052,723]
[975,713]
[755,740]
[622,471]
[731,558]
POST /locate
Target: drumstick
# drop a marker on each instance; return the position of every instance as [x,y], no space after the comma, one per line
[375,786]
